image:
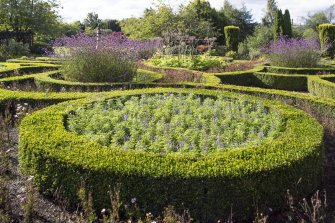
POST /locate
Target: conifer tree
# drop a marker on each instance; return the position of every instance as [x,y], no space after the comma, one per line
[287,25]
[278,25]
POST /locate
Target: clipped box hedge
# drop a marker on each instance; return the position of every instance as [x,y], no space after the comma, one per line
[13,69]
[266,80]
[51,82]
[322,86]
[209,185]
[305,71]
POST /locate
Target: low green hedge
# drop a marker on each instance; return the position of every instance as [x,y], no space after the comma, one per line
[208,185]
[36,60]
[306,71]
[266,80]
[323,86]
[49,81]
[13,69]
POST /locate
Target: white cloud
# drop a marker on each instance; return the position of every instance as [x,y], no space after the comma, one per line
[117,9]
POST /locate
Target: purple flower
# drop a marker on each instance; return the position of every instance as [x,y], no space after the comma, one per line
[294,52]
[112,42]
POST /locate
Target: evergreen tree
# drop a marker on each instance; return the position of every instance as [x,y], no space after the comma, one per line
[271,8]
[278,25]
[241,17]
[287,25]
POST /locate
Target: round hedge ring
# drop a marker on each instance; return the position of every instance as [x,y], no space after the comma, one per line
[207,184]
[51,82]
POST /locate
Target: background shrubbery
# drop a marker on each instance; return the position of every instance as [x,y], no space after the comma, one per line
[13,49]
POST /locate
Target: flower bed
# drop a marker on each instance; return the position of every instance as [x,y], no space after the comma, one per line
[176,123]
[206,184]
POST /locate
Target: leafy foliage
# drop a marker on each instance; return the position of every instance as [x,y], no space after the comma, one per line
[327,38]
[198,62]
[239,17]
[287,25]
[92,20]
[153,23]
[322,86]
[232,34]
[314,20]
[13,50]
[260,39]
[271,7]
[176,123]
[197,19]
[278,31]
[20,15]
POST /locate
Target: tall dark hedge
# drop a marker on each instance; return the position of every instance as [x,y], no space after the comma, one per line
[282,25]
[287,25]
[278,25]
[327,38]
[232,34]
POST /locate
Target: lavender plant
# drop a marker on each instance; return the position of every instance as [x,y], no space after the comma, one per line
[294,52]
[105,58]
[176,123]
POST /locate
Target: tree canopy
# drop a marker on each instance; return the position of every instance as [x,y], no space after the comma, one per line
[269,17]
[38,16]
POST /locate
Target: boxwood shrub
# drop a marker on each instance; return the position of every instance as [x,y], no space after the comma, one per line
[323,86]
[208,185]
[306,71]
[11,69]
[51,82]
[266,80]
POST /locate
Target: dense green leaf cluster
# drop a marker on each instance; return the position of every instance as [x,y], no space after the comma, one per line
[198,62]
[281,78]
[282,26]
[327,38]
[323,86]
[176,123]
[232,34]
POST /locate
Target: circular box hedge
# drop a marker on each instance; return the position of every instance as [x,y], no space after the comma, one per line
[208,185]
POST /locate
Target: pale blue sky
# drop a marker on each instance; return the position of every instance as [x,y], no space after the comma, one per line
[118,9]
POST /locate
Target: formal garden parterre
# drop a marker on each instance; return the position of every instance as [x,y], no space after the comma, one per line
[169,126]
[291,151]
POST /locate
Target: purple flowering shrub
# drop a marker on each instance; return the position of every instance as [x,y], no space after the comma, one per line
[294,52]
[107,58]
[91,65]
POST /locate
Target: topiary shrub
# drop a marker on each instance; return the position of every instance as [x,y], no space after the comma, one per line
[327,38]
[208,184]
[232,34]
